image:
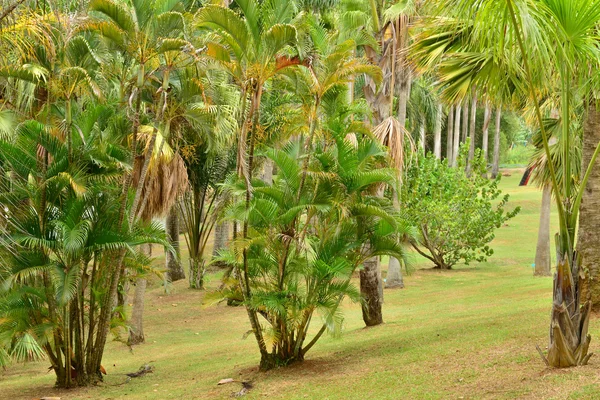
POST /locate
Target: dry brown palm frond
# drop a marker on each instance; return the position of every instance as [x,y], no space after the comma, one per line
[164,184]
[167,177]
[395,137]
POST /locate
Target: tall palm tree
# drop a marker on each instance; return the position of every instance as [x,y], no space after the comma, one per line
[250,46]
[149,35]
[531,34]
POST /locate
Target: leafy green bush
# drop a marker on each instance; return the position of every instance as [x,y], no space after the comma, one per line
[455,214]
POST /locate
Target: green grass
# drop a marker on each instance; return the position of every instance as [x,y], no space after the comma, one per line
[466,333]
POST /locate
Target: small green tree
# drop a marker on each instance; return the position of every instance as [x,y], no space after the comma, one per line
[455,215]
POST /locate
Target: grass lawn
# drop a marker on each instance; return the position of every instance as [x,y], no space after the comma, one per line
[468,333]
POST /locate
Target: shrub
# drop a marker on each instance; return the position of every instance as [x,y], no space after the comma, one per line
[455,215]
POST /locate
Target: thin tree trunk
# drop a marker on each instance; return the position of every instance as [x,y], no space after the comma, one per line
[472,133]
[136,324]
[450,134]
[174,268]
[456,135]
[542,250]
[422,138]
[588,238]
[136,329]
[465,122]
[10,9]
[394,275]
[403,94]
[496,162]
[437,133]
[487,117]
[369,288]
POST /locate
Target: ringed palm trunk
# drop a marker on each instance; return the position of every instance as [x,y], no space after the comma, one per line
[450,134]
[437,134]
[174,268]
[487,116]
[369,288]
[394,277]
[422,138]
[136,324]
[542,250]
[221,237]
[465,122]
[456,135]
[588,243]
[496,162]
[472,133]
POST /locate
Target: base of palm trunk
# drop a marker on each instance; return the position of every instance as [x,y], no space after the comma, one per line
[270,361]
[369,289]
[569,338]
[196,278]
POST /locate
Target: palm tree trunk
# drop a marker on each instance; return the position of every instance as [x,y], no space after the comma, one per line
[136,330]
[221,238]
[450,134]
[369,288]
[422,138]
[542,250]
[472,133]
[394,274]
[456,135]
[267,173]
[174,268]
[465,122]
[487,116]
[437,133]
[394,277]
[588,238]
[496,162]
[403,94]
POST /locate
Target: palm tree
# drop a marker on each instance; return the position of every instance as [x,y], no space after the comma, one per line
[531,34]
[150,38]
[250,47]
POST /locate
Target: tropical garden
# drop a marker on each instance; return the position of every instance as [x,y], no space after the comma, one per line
[265,198]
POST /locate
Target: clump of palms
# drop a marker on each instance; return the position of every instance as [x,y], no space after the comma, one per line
[310,231]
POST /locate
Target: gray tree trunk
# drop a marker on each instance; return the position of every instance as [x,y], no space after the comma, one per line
[173,261]
[136,324]
[487,116]
[403,94]
[472,133]
[542,250]
[456,135]
[588,238]
[437,133]
[422,138]
[221,237]
[267,174]
[369,288]
[450,134]
[496,162]
[394,277]
[465,122]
